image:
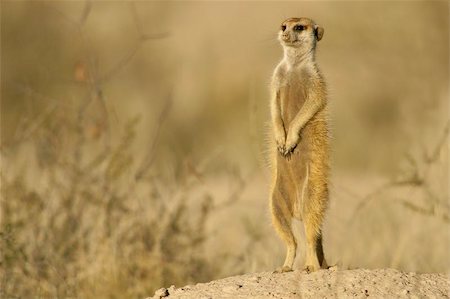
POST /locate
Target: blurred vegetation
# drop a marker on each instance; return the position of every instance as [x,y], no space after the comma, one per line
[133,141]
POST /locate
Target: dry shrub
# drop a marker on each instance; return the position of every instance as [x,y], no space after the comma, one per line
[87,226]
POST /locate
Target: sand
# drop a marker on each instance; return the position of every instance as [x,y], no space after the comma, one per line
[359,283]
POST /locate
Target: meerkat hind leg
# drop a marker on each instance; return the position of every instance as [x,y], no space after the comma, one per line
[315,258]
[313,248]
[291,249]
[314,205]
[282,221]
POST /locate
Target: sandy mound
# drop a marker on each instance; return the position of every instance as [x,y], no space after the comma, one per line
[382,283]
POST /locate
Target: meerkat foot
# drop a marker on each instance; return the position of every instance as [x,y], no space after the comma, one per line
[310,268]
[283,269]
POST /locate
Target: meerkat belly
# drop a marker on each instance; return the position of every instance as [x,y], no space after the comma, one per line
[296,167]
[292,99]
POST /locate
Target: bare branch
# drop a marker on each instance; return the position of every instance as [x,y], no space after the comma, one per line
[440,144]
[144,36]
[424,211]
[150,158]
[415,179]
[120,64]
[85,14]
[136,18]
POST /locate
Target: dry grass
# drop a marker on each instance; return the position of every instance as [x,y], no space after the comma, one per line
[90,228]
[99,224]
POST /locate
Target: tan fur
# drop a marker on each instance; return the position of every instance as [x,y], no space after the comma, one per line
[301,150]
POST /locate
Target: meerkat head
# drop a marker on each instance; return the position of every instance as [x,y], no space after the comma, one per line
[301,33]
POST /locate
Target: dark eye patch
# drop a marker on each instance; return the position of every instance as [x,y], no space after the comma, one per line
[283,27]
[299,27]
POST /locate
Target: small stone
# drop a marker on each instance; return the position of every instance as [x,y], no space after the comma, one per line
[186,287]
[255,278]
[405,292]
[161,293]
[333,268]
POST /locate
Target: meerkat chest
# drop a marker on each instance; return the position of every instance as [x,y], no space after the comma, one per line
[292,94]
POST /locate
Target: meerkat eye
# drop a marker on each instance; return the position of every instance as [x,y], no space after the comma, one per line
[299,27]
[283,27]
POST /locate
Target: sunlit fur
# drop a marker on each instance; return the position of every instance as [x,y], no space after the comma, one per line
[300,149]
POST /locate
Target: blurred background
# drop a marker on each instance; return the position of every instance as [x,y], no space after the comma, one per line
[134,152]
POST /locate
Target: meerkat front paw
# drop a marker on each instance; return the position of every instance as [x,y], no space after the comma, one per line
[280,139]
[291,143]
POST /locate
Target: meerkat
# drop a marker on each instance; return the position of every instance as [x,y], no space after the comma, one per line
[301,142]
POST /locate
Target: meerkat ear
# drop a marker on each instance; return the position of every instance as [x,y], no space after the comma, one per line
[318,31]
